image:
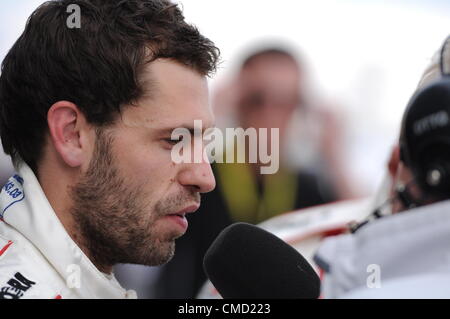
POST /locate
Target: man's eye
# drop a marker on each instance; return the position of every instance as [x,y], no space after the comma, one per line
[173,141]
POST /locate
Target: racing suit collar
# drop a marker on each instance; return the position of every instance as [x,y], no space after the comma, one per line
[31,214]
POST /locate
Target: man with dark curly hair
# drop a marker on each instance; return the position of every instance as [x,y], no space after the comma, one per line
[86,112]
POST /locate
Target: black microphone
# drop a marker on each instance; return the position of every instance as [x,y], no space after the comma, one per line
[245,261]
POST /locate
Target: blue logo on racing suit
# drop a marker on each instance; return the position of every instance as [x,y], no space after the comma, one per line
[13,188]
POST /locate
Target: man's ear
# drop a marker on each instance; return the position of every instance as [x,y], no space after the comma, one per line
[394,161]
[69,132]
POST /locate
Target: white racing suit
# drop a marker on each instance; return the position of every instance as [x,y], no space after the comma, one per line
[406,255]
[38,259]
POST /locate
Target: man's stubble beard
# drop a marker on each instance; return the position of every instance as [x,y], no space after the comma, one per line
[113,216]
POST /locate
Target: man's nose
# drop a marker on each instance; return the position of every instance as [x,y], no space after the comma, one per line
[199,176]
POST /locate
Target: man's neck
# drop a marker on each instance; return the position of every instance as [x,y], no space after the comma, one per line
[57,191]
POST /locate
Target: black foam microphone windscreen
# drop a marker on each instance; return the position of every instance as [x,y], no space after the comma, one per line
[246,261]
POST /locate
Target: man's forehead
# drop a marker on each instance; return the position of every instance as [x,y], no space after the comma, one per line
[164,76]
[175,96]
[165,118]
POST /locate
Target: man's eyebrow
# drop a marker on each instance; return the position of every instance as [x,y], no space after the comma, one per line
[190,128]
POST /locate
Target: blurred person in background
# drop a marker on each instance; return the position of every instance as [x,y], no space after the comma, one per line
[268,90]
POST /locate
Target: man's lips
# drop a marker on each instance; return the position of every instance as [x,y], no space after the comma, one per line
[187,210]
[179,217]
